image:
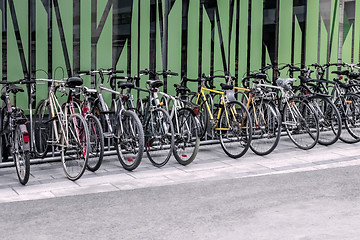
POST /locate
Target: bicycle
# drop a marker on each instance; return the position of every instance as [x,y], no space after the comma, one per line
[119,124]
[265,116]
[83,107]
[66,132]
[328,114]
[232,122]
[13,130]
[158,126]
[299,118]
[345,99]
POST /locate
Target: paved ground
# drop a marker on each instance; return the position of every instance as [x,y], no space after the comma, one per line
[322,204]
[48,180]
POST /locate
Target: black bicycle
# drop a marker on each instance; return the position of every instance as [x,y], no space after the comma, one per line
[13,130]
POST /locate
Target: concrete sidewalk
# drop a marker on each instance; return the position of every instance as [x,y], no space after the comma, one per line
[48,180]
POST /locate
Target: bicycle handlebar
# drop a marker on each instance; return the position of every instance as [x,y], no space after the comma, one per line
[21,81]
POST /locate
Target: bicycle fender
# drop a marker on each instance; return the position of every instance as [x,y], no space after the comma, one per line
[25,134]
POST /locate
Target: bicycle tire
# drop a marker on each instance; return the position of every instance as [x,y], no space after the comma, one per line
[21,156]
[239,132]
[187,142]
[78,135]
[203,117]
[266,131]
[159,137]
[329,119]
[129,140]
[352,120]
[42,128]
[96,150]
[294,123]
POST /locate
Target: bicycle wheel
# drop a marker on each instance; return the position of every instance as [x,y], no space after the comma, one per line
[96,150]
[159,137]
[352,115]
[266,123]
[43,128]
[129,140]
[301,123]
[75,145]
[187,141]
[235,129]
[203,118]
[329,119]
[21,156]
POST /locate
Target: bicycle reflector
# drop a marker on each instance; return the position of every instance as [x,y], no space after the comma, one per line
[26,137]
[348,101]
[196,110]
[124,98]
[161,103]
[341,77]
[130,159]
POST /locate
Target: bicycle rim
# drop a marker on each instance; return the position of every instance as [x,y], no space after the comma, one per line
[329,120]
[301,124]
[129,140]
[235,130]
[96,149]
[266,128]
[187,141]
[159,137]
[75,153]
[21,157]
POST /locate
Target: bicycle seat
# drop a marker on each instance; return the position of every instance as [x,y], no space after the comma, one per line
[306,79]
[14,89]
[124,85]
[353,75]
[258,75]
[74,81]
[181,89]
[285,82]
[345,72]
[155,83]
[226,86]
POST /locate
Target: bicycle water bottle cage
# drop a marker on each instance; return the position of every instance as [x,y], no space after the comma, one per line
[155,83]
[74,81]
[14,89]
[285,83]
[124,85]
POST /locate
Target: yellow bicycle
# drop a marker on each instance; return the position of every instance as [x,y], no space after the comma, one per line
[229,119]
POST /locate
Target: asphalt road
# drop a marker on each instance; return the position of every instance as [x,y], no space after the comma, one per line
[320,204]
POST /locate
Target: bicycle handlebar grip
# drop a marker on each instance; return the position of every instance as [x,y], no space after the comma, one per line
[169,72]
[84,72]
[145,71]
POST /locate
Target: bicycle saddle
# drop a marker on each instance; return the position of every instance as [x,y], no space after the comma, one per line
[124,85]
[74,81]
[258,75]
[306,79]
[285,83]
[181,89]
[155,83]
[345,72]
[353,75]
[14,89]
[226,86]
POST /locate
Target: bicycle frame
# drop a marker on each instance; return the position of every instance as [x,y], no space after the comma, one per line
[224,98]
[57,113]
